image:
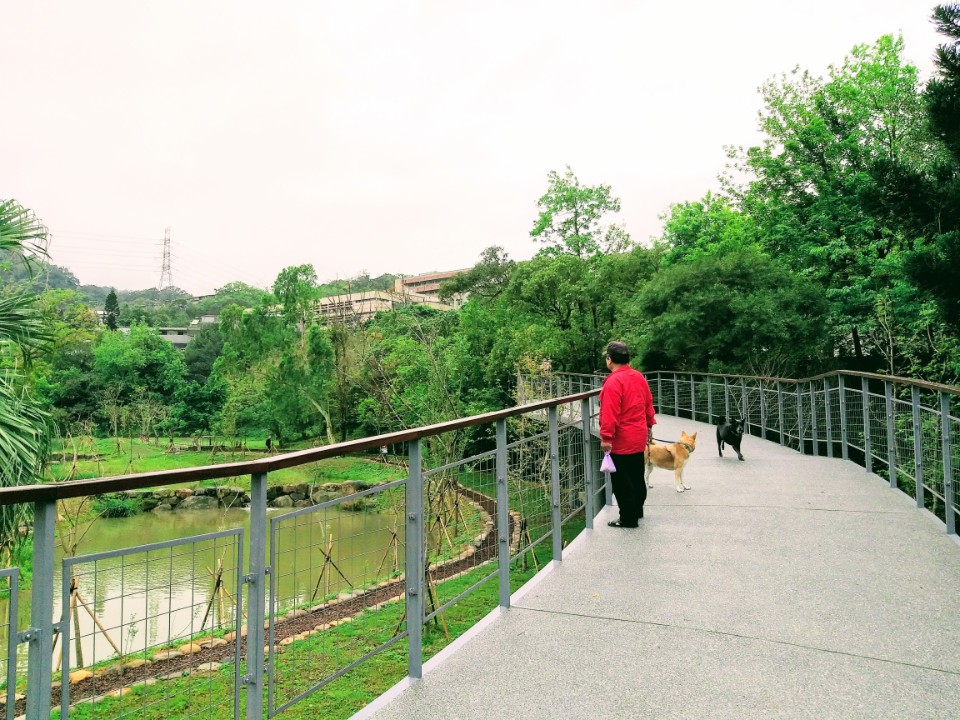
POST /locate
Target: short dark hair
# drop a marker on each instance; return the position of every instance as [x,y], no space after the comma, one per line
[618,353]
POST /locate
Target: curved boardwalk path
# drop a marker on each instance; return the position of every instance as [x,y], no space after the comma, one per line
[784,586]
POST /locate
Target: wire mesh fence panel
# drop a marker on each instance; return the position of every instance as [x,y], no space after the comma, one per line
[461,535]
[751,395]
[955,461]
[878,432]
[903,445]
[151,632]
[700,403]
[853,411]
[771,410]
[9,595]
[336,586]
[932,444]
[791,416]
[572,480]
[666,399]
[528,480]
[836,416]
[684,396]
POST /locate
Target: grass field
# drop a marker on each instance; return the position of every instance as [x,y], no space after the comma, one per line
[136,456]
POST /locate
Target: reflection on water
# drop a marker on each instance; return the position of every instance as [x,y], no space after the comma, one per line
[148,599]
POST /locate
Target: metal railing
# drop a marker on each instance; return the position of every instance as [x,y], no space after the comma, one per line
[184,628]
[901,429]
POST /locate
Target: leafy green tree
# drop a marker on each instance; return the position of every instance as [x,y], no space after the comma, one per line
[487,279]
[933,267]
[736,312]
[710,226]
[296,290]
[202,352]
[198,406]
[571,214]
[23,426]
[139,363]
[823,138]
[234,293]
[111,311]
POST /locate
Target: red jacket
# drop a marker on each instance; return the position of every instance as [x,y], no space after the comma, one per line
[626,411]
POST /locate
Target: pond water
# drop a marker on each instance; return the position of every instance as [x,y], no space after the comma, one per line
[144,600]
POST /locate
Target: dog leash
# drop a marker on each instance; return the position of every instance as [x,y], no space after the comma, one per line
[668,442]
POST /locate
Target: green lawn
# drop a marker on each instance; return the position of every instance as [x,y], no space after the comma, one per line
[140,457]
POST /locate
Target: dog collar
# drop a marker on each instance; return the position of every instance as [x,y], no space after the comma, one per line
[688,447]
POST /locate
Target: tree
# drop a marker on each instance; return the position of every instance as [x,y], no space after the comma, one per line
[23,426]
[139,363]
[486,280]
[943,91]
[202,352]
[296,290]
[933,267]
[111,311]
[736,312]
[571,214]
[810,176]
[709,226]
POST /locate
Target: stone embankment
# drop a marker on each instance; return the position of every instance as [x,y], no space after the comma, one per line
[223,497]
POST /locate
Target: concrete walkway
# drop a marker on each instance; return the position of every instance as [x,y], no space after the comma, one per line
[784,586]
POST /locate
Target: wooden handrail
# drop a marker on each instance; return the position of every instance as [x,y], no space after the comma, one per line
[80,488]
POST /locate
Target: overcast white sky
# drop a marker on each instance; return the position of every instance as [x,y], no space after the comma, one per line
[381,136]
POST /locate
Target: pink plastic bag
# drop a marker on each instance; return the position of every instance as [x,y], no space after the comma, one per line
[607,465]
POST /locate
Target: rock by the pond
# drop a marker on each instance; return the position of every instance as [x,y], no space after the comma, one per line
[213,642]
[134,664]
[210,668]
[165,655]
[190,649]
[284,501]
[78,676]
[199,502]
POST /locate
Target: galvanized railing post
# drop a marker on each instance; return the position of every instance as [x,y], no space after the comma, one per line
[693,399]
[40,633]
[710,418]
[800,417]
[814,434]
[590,494]
[867,456]
[659,400]
[917,444]
[12,642]
[827,414]
[503,514]
[256,595]
[891,434]
[844,444]
[414,558]
[676,395]
[780,411]
[726,398]
[746,407]
[763,412]
[555,484]
[946,435]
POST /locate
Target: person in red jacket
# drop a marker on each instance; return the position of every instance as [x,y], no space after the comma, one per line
[626,416]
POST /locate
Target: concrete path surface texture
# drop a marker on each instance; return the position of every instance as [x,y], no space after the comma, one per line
[784,586]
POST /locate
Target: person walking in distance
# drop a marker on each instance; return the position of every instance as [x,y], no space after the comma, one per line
[626,416]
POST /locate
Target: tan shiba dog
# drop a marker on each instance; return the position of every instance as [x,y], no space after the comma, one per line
[671,457]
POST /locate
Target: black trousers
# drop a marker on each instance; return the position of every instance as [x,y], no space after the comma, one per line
[629,487]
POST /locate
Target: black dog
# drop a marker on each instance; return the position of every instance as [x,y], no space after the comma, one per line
[731,433]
